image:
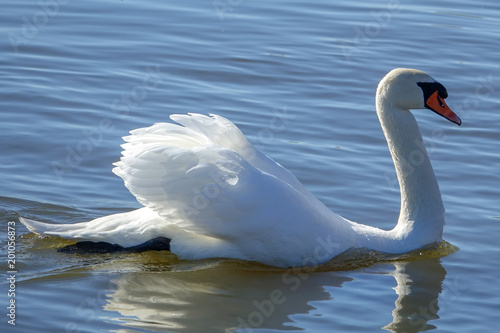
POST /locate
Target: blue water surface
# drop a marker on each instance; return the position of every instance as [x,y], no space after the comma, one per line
[76,76]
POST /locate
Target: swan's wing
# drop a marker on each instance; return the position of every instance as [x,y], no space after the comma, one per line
[220,131]
[229,199]
[214,129]
[197,185]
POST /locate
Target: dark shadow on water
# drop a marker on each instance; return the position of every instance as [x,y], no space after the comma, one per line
[87,247]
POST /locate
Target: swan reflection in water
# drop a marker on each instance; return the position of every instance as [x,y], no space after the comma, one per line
[418,286]
[229,297]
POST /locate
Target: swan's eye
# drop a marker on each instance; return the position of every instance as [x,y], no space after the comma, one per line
[441,104]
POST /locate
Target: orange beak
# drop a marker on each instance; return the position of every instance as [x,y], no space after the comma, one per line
[438,105]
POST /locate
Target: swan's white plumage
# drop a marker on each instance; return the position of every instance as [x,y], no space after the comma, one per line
[195,177]
[127,229]
[213,194]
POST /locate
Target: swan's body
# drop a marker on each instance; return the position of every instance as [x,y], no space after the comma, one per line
[208,190]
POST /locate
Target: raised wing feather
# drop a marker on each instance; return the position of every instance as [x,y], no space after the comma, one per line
[190,175]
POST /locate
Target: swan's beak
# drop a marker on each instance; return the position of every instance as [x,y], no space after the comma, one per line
[438,105]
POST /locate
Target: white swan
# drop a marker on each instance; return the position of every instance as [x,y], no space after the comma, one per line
[209,191]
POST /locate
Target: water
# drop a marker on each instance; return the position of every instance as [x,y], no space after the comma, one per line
[76,76]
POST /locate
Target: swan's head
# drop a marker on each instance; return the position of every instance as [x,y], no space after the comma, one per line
[405,89]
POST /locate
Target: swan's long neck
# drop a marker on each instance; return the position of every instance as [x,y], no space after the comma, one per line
[421,217]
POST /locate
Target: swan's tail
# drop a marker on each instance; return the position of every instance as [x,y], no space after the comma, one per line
[124,229]
[38,227]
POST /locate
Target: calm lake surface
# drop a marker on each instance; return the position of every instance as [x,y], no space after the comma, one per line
[76,76]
